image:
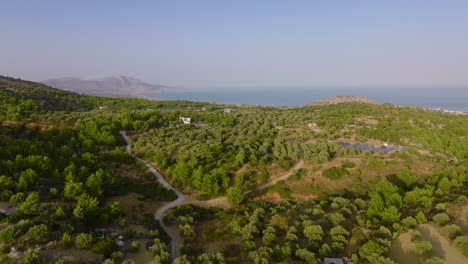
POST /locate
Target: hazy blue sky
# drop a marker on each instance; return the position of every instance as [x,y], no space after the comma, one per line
[239,43]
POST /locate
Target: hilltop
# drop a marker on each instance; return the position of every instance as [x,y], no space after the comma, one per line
[14,91]
[343,99]
[113,86]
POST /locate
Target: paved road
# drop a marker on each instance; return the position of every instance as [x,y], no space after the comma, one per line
[176,240]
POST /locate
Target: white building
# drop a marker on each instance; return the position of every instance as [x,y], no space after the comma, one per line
[186,120]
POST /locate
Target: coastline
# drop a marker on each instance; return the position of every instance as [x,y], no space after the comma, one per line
[434,109]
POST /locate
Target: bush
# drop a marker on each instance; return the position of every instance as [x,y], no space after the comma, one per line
[83,240]
[334,173]
[461,243]
[104,246]
[4,250]
[423,247]
[451,230]
[135,246]
[65,241]
[31,257]
[37,233]
[441,218]
[409,222]
[415,235]
[347,164]
[305,255]
[376,163]
[421,218]
[435,260]
[8,234]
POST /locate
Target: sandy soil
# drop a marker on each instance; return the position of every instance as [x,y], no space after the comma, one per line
[459,211]
[402,250]
[143,255]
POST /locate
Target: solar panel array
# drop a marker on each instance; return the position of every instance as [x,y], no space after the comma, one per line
[390,149]
[365,147]
[378,149]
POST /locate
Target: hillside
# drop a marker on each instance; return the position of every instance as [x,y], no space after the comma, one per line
[113,86]
[17,91]
[129,182]
[343,99]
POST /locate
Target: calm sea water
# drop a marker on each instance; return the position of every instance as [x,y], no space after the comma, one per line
[454,98]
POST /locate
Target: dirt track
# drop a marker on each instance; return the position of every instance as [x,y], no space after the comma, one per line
[176,240]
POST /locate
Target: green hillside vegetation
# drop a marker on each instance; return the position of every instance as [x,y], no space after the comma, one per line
[67,182]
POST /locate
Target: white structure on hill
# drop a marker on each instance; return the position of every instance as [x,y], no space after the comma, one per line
[186,120]
[228,110]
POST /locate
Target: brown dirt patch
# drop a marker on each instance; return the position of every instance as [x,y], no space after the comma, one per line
[403,251]
[134,209]
[459,211]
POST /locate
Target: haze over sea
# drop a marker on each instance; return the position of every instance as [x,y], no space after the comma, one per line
[450,98]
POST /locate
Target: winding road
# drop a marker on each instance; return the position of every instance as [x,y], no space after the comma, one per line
[176,240]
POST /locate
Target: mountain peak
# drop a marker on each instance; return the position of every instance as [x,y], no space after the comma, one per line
[116,85]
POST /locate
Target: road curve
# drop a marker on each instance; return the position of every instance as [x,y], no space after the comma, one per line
[176,240]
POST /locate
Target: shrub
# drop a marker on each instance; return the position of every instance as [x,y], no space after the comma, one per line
[31,257]
[421,218]
[37,233]
[65,241]
[4,250]
[334,173]
[8,234]
[305,255]
[83,240]
[423,247]
[235,196]
[409,222]
[347,164]
[415,235]
[435,260]
[451,230]
[104,246]
[376,163]
[441,218]
[135,245]
[461,243]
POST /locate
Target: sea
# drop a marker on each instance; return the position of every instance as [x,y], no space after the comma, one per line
[448,98]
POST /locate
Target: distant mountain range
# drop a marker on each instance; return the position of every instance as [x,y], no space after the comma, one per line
[343,99]
[113,86]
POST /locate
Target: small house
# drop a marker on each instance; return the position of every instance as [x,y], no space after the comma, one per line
[186,120]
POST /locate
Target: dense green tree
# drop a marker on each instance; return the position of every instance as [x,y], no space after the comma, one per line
[313,232]
[305,255]
[461,243]
[8,234]
[235,196]
[38,233]
[65,240]
[30,206]
[83,240]
[31,256]
[27,180]
[86,206]
[6,183]
[406,177]
[441,218]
